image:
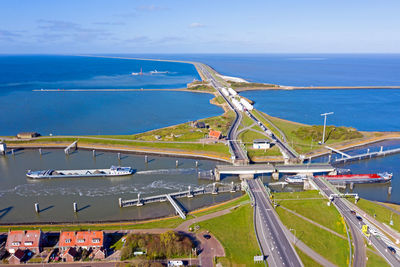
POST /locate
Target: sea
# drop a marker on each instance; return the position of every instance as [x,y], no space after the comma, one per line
[61,112]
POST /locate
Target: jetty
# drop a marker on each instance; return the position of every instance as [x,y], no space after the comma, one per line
[71,146]
[346,157]
[215,189]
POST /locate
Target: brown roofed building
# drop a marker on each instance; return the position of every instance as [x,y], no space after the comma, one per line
[32,240]
[70,255]
[99,254]
[214,134]
[17,257]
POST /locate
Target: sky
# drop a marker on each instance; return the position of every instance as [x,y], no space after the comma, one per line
[206,26]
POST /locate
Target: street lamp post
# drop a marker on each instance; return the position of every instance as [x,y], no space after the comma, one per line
[323,133]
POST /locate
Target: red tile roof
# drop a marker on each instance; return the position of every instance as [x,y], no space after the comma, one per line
[82,239]
[214,134]
[26,239]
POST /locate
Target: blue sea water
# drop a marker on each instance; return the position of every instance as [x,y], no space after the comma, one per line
[95,112]
[304,69]
[366,110]
[75,72]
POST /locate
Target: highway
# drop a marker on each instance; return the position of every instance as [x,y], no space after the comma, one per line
[271,236]
[235,147]
[356,225]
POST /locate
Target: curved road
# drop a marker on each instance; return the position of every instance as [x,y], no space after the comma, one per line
[356,225]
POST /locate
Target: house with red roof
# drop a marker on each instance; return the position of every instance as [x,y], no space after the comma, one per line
[32,240]
[214,134]
[81,239]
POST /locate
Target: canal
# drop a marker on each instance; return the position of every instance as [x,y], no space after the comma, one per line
[97,198]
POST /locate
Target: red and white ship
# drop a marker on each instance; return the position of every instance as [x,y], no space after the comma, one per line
[358,178]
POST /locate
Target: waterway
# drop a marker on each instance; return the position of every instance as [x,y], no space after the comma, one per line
[84,113]
[378,192]
[97,198]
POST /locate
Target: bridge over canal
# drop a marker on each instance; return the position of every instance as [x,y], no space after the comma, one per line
[251,170]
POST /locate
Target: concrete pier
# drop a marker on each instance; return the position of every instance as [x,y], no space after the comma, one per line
[222,188]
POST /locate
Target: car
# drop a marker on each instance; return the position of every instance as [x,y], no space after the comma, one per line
[391,250]
[207,236]
[353,212]
[359,218]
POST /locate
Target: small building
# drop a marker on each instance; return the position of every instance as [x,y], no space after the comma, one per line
[99,254]
[200,125]
[70,255]
[17,257]
[32,240]
[27,135]
[214,134]
[81,239]
[261,144]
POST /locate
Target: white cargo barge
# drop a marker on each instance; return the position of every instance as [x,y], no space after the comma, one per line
[50,174]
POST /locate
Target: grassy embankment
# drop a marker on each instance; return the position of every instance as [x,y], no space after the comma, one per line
[307,261]
[304,138]
[375,260]
[248,86]
[247,137]
[333,247]
[218,150]
[382,213]
[235,231]
[177,133]
[170,222]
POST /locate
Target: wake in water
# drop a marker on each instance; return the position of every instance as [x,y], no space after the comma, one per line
[170,171]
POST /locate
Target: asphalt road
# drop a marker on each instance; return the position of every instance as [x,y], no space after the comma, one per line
[271,236]
[236,148]
[356,225]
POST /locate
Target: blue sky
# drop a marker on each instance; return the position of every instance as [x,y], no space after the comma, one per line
[265,26]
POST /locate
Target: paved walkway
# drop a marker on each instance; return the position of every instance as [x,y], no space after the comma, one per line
[185,225]
[209,249]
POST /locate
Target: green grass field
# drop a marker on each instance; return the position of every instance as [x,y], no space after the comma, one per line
[328,245]
[375,260]
[307,261]
[383,214]
[304,138]
[235,231]
[216,149]
[316,210]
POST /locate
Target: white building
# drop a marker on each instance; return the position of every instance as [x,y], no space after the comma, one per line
[261,144]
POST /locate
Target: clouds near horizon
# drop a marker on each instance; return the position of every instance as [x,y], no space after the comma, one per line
[257,26]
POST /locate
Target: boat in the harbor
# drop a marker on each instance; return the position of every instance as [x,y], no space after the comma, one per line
[50,174]
[296,179]
[358,178]
[157,72]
